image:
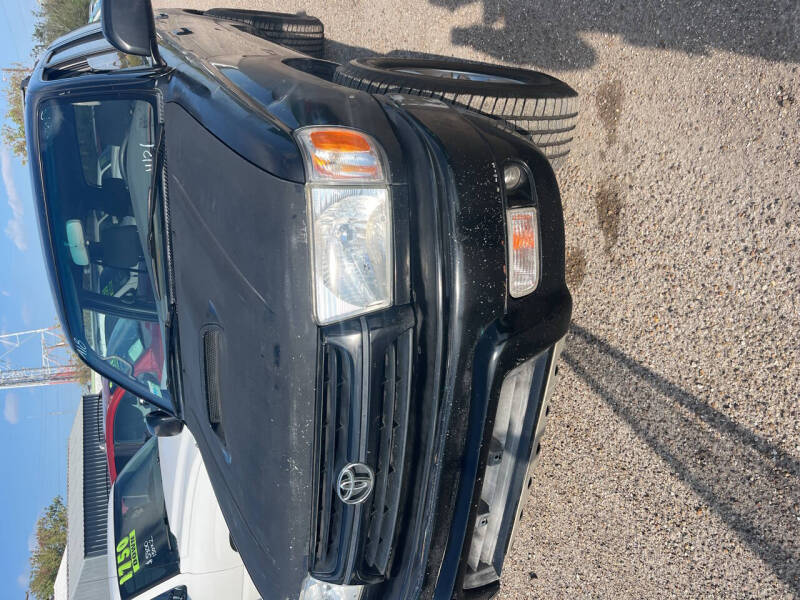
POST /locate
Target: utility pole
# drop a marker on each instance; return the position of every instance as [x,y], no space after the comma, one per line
[56,362]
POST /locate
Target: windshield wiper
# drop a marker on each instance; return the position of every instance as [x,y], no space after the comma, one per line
[173,360]
[162,277]
[152,207]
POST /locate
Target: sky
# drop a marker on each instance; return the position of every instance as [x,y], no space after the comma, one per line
[36,421]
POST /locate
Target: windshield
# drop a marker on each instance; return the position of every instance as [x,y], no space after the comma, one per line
[146,550]
[98,166]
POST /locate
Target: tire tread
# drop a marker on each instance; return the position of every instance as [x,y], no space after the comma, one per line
[549,122]
[301,33]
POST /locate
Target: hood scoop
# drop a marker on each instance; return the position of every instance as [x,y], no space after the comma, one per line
[212,341]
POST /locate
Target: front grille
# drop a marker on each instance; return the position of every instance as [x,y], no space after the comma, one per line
[361,418]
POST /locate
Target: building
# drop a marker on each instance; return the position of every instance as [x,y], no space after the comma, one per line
[83,574]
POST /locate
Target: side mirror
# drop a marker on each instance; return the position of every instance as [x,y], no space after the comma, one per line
[129,26]
[178,593]
[162,424]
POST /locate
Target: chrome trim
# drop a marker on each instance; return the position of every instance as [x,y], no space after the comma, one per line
[541,423]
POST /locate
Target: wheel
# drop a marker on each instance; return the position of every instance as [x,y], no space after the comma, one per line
[298,32]
[543,107]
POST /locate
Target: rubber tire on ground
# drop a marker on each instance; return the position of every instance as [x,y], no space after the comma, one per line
[543,107]
[297,32]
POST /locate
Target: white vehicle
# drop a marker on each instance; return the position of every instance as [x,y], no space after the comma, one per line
[167,539]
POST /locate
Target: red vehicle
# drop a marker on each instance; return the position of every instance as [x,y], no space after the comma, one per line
[125,427]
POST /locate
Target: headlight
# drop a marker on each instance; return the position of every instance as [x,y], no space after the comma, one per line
[351,225]
[314,589]
[352,250]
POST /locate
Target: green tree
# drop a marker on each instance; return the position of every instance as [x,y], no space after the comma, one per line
[13,130]
[83,374]
[51,539]
[57,17]
[53,19]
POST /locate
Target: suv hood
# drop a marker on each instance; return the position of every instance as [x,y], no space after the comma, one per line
[247,343]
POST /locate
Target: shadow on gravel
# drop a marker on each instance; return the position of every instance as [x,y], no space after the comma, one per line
[752,485]
[549,33]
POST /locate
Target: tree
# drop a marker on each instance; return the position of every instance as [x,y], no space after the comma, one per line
[57,17]
[53,19]
[13,131]
[83,374]
[51,539]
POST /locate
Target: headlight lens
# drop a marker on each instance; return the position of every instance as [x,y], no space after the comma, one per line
[352,251]
[314,589]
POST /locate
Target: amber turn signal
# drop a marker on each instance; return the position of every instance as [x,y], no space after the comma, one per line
[339,154]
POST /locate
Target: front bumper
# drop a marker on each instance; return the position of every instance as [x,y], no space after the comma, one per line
[431,427]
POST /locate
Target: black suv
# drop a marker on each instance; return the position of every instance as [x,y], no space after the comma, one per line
[346,280]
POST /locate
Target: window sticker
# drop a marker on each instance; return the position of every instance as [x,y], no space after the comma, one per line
[80,347]
[136,350]
[150,551]
[147,156]
[127,558]
[154,389]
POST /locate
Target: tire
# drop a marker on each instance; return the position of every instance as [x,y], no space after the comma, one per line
[542,107]
[296,32]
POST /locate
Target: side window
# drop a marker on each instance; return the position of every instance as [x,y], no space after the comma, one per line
[146,549]
[115,60]
[92,54]
[129,420]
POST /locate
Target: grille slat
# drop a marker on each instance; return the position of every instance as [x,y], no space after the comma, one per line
[394,396]
[336,386]
[384,423]
[326,443]
[397,454]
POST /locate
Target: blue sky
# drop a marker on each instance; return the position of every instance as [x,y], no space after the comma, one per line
[36,421]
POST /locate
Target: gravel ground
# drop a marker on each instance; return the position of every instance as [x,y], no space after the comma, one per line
[672,464]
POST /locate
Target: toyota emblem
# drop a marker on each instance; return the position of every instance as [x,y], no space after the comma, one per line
[355,483]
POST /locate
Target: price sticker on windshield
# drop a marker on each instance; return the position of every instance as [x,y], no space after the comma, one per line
[127,558]
[136,350]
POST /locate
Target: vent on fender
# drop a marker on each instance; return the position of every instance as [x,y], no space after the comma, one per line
[212,339]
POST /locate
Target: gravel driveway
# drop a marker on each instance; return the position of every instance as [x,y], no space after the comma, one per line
[672,464]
